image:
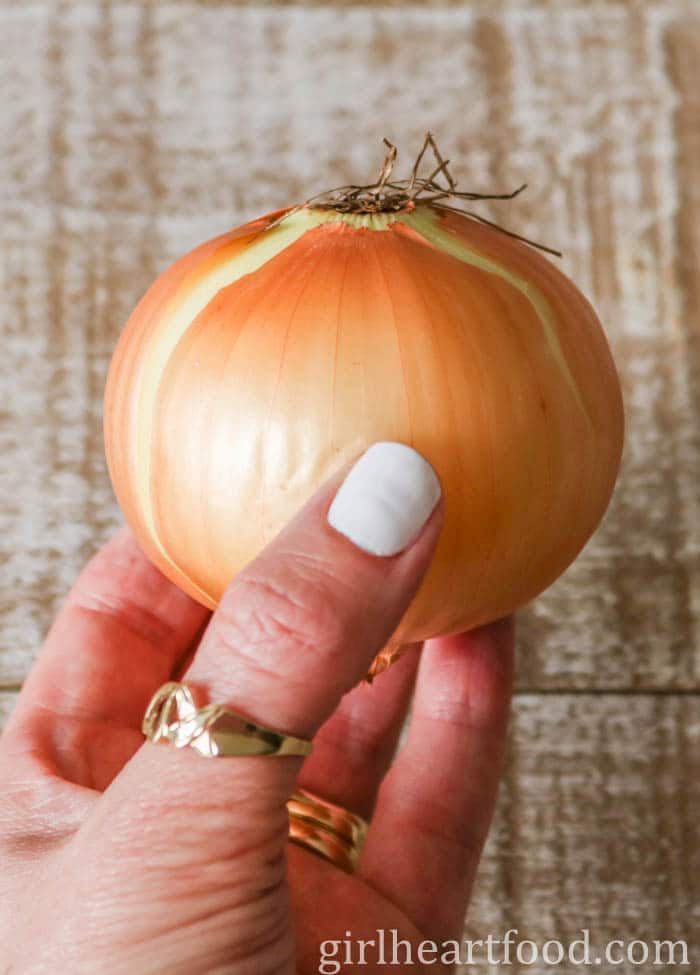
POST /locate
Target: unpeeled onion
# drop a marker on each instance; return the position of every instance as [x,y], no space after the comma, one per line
[267,358]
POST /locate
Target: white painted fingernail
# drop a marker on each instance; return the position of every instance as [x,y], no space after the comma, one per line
[386,499]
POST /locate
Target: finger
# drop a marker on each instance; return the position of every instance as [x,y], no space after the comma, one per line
[435,805]
[301,624]
[354,748]
[120,633]
[299,627]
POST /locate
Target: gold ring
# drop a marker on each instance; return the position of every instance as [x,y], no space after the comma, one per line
[213,730]
[330,831]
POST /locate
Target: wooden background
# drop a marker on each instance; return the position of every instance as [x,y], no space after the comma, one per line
[132,131]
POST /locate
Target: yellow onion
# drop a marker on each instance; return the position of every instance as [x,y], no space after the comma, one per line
[267,358]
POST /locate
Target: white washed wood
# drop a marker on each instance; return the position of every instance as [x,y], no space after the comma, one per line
[131,132]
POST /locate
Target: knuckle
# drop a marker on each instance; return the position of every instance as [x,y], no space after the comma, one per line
[289,606]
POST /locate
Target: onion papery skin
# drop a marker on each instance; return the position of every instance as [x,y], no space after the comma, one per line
[263,361]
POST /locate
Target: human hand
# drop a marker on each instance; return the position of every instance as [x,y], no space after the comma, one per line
[121,856]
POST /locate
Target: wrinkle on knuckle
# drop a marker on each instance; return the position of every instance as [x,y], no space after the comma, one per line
[313,568]
[294,613]
[265,669]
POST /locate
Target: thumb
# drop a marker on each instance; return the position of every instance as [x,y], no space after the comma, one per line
[296,629]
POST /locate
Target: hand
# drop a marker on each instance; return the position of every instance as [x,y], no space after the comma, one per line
[125,857]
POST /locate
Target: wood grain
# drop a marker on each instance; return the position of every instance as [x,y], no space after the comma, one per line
[7,702]
[132,131]
[597,824]
[145,130]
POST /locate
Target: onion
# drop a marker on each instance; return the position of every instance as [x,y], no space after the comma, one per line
[264,360]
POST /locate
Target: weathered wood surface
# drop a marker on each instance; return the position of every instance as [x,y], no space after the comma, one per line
[597,824]
[134,131]
[7,700]
[131,131]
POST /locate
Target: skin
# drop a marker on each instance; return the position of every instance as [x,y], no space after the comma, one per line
[121,856]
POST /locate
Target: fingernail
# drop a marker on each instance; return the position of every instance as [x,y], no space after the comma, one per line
[386,499]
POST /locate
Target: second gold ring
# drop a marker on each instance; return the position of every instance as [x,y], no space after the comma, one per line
[326,829]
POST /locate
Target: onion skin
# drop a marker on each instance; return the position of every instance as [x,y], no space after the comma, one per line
[228,405]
